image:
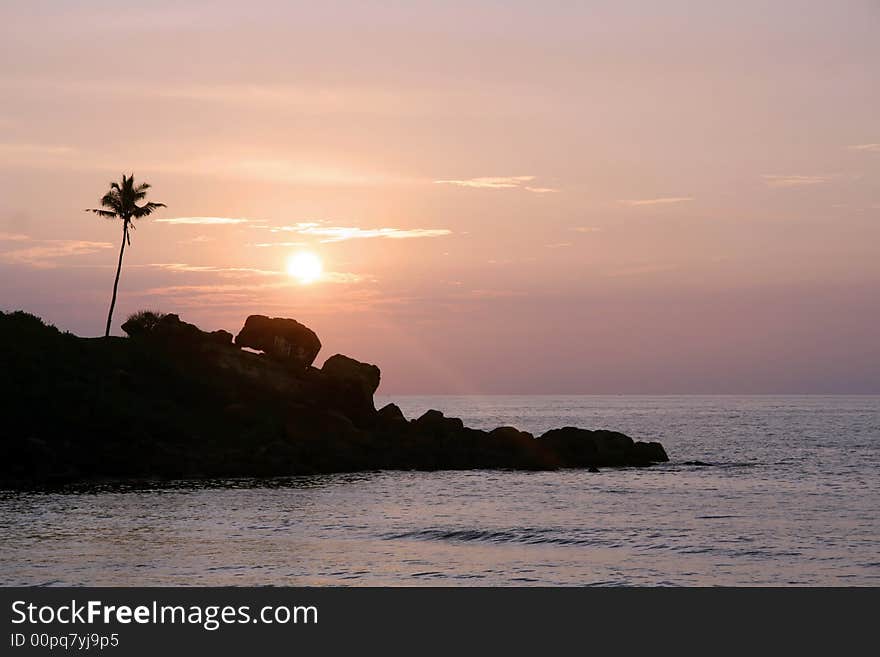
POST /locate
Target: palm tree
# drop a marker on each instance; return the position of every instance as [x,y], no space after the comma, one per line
[121,203]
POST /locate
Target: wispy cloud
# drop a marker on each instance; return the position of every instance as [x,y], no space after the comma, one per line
[298,227]
[198,239]
[794,181]
[318,229]
[186,290]
[267,245]
[586,229]
[557,245]
[186,268]
[663,200]
[204,221]
[13,237]
[342,233]
[871,148]
[498,182]
[44,253]
[245,288]
[342,277]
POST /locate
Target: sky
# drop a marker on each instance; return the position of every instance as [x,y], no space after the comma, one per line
[609,197]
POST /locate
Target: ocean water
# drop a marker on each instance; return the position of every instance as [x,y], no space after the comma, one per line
[790,496]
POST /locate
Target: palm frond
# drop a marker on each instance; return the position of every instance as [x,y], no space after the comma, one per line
[146,210]
[102,213]
[112,201]
[141,191]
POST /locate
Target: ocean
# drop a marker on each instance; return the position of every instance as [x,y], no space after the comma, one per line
[768,490]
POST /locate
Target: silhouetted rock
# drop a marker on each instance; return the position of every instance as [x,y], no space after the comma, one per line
[352,384]
[285,340]
[652,452]
[221,337]
[148,324]
[344,368]
[510,433]
[585,448]
[434,423]
[391,416]
[174,401]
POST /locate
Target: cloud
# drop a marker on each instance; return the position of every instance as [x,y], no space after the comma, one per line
[342,277]
[294,228]
[203,221]
[312,228]
[264,245]
[13,237]
[198,239]
[663,200]
[245,289]
[557,245]
[182,267]
[505,182]
[794,181]
[498,182]
[339,233]
[587,229]
[342,233]
[871,148]
[43,253]
[186,290]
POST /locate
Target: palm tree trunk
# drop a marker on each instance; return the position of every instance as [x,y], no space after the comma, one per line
[116,282]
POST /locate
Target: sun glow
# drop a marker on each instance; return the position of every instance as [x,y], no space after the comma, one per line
[305,267]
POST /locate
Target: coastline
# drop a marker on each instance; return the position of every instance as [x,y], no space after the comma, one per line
[174,402]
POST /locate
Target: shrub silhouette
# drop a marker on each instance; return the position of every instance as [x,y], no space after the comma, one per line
[143,322]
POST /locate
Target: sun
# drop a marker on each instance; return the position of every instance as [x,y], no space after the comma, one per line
[305,267]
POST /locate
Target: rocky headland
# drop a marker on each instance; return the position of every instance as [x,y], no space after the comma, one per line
[173,401]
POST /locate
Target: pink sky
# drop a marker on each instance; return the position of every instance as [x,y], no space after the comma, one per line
[510,197]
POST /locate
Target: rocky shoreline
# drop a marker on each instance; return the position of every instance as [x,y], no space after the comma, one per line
[171,401]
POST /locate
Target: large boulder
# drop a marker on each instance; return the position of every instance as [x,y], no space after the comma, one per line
[341,367]
[284,340]
[433,423]
[574,447]
[351,384]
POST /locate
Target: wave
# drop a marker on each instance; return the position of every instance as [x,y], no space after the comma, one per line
[521,535]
